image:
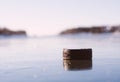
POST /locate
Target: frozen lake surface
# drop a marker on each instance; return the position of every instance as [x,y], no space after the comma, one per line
[40,59]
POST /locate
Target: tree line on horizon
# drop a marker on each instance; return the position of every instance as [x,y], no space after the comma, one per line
[93,30]
[8,32]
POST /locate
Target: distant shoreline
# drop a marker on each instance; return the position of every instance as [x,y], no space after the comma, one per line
[7,32]
[92,30]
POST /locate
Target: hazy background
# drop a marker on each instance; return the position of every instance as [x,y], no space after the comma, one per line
[45,17]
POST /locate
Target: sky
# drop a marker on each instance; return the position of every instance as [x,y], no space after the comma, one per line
[48,17]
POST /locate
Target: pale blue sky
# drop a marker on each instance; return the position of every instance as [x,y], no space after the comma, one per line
[43,17]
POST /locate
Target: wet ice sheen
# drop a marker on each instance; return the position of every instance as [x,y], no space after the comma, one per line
[40,59]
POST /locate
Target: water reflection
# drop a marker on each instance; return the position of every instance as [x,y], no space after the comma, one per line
[72,65]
